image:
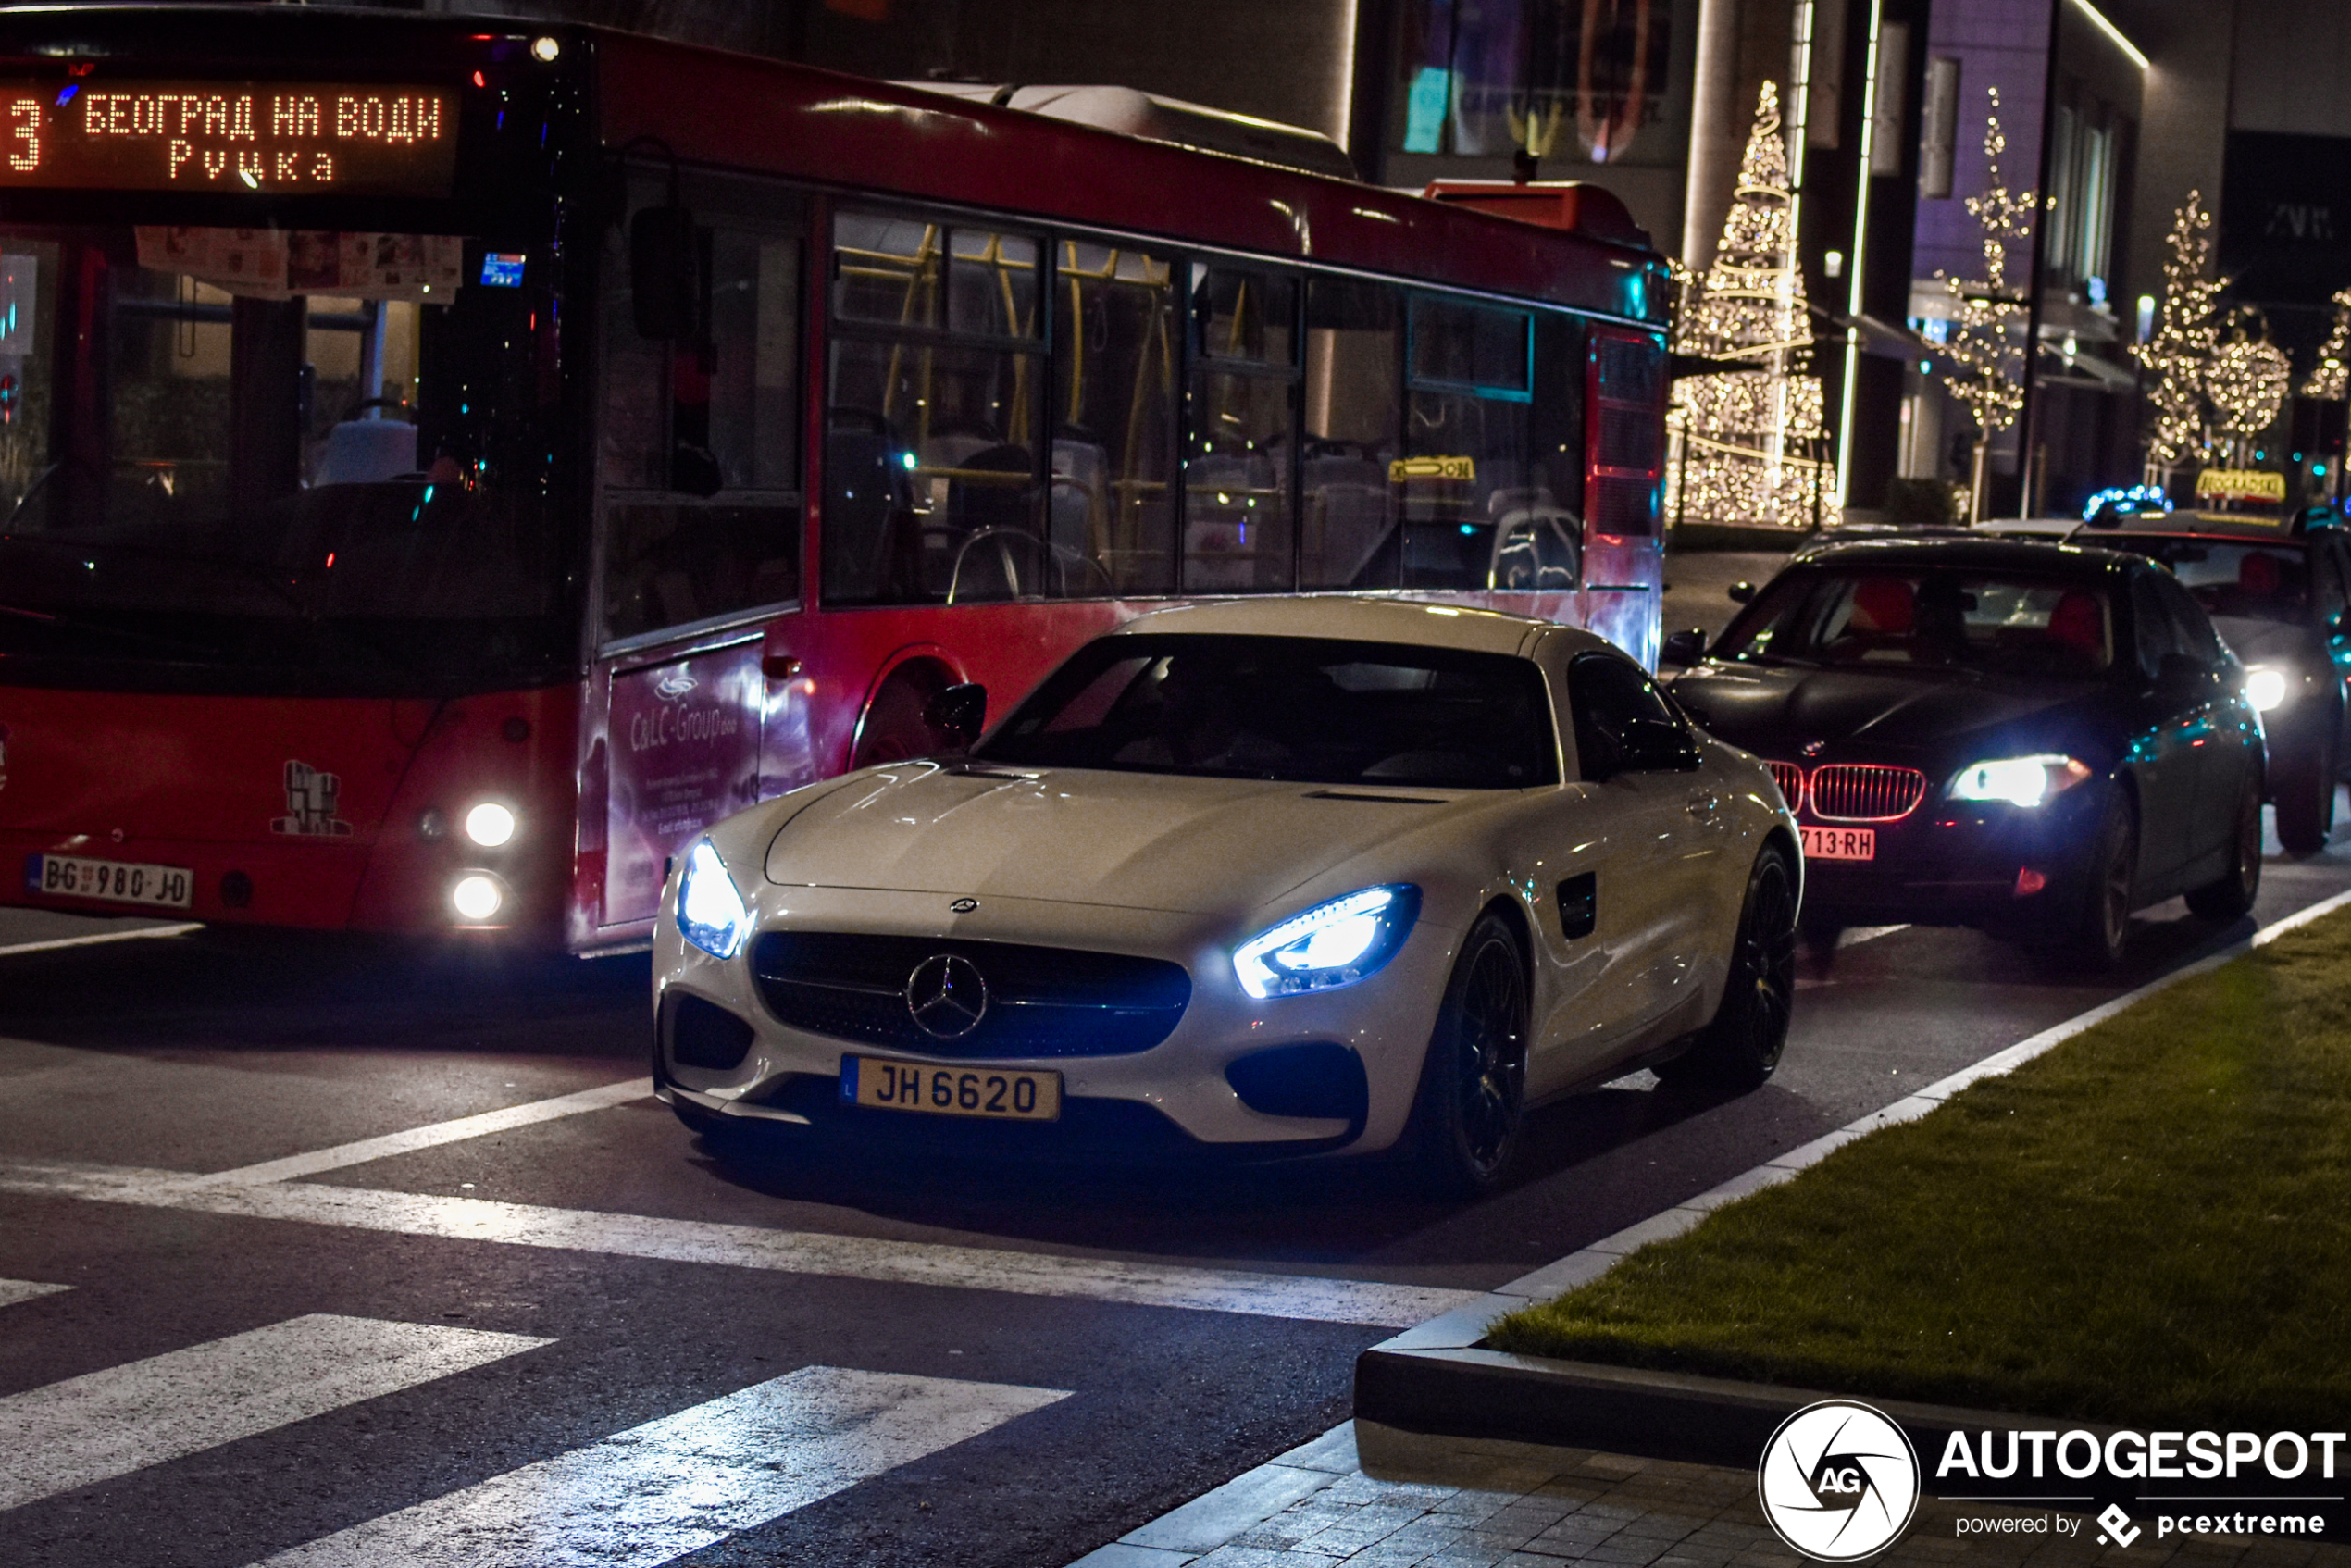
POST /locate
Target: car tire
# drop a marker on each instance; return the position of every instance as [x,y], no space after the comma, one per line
[2102,924]
[2230,896]
[1741,1047]
[2305,801]
[1471,1104]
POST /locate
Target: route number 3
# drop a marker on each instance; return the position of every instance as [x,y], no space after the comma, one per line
[24,131]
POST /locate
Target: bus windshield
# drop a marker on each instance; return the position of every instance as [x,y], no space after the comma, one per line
[266,461]
[1298,709]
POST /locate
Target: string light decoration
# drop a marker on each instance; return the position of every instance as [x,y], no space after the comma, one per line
[1750,446]
[1989,380]
[2187,336]
[2330,380]
[2246,384]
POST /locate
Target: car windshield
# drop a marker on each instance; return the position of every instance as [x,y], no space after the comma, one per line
[1300,709]
[266,461]
[2265,582]
[1926,616]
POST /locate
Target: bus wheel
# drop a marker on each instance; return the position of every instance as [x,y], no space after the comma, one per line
[893,729]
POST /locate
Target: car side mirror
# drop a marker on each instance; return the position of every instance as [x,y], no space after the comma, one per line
[1741,592]
[957,714]
[1656,745]
[1683,649]
[665,273]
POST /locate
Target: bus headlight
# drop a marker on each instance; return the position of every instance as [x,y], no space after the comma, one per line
[489,824]
[2020,782]
[478,896]
[711,913]
[1335,943]
[2266,686]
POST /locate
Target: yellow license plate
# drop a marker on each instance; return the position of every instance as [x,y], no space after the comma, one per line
[1838,843]
[997,1093]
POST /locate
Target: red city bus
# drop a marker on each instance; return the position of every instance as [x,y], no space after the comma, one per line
[444,470]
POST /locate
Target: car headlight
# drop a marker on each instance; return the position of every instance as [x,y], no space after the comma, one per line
[489,824]
[2020,782]
[2266,686]
[711,913]
[1332,944]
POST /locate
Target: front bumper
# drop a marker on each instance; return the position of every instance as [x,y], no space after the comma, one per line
[1170,1102]
[1987,864]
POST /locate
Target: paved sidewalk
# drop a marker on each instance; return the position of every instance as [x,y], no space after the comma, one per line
[1409,1501]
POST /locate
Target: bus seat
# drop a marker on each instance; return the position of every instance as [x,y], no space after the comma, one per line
[974,503]
[1080,510]
[1537,549]
[865,488]
[367,451]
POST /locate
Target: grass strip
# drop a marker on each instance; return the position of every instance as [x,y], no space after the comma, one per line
[2148,1224]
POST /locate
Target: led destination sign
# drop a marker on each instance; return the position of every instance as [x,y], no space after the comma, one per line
[277,137]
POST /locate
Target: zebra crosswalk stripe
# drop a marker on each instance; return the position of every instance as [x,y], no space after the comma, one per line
[674,1486]
[15,1290]
[102,1424]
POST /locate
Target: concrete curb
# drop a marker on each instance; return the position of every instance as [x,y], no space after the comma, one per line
[1437,1378]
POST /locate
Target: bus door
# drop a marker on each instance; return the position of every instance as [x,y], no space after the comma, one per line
[699,539]
[1624,563]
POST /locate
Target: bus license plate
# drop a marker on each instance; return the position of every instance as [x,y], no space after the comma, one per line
[1839,843]
[167,887]
[997,1093]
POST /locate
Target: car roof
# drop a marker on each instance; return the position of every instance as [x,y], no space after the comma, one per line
[1347,617]
[2218,525]
[1977,553]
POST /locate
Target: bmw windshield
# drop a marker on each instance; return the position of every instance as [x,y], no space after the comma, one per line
[1299,709]
[1927,618]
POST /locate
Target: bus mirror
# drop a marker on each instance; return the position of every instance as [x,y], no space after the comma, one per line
[957,714]
[663,272]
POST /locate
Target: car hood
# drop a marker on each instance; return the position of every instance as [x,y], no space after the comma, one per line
[1775,712]
[1076,836]
[2254,641]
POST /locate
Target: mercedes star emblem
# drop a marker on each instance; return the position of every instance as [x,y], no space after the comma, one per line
[947,995]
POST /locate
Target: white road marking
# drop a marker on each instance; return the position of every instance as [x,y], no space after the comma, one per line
[295,1166]
[107,1424]
[15,1290]
[675,1486]
[181,930]
[1303,1297]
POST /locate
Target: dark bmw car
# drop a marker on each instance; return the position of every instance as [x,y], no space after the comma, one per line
[2032,739]
[2277,590]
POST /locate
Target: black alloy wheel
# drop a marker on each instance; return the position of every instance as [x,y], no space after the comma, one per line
[2230,896]
[1472,1098]
[2102,926]
[2306,797]
[1741,1047]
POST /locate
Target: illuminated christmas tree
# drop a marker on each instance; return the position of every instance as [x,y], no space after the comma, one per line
[2246,384]
[1750,441]
[1990,378]
[2329,377]
[2187,336]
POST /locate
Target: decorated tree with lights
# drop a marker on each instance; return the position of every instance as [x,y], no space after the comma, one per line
[1989,380]
[2187,337]
[1752,440]
[2246,384]
[2330,377]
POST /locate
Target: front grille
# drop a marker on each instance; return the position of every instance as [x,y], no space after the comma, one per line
[1861,792]
[1041,1000]
[1790,778]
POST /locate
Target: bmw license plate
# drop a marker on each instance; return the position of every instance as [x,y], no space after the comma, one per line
[997,1093]
[165,887]
[1839,843]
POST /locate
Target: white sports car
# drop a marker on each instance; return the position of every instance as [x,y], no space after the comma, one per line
[1282,877]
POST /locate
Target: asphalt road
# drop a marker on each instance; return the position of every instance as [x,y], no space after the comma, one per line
[422,1350]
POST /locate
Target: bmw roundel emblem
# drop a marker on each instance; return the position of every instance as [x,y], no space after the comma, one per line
[947,995]
[1814,748]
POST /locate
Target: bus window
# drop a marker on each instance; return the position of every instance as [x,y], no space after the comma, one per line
[701,448]
[1469,442]
[1237,472]
[1355,350]
[932,490]
[1628,434]
[1112,517]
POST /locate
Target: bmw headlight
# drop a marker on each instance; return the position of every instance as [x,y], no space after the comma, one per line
[2266,686]
[711,913]
[1335,943]
[2019,781]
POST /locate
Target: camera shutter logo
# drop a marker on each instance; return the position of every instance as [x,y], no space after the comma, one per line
[1838,1481]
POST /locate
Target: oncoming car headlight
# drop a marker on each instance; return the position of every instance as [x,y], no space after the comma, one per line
[2266,686]
[1332,944]
[711,913]
[2020,782]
